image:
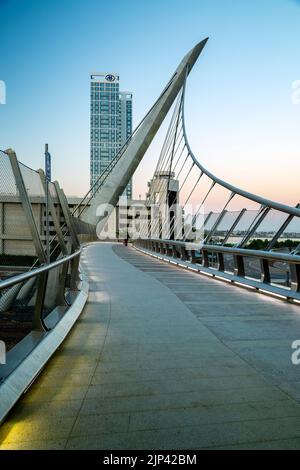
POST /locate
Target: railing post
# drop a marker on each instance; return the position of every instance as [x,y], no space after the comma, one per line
[55,219]
[205,259]
[193,256]
[67,215]
[60,298]
[75,242]
[221,266]
[265,271]
[295,277]
[38,323]
[74,273]
[183,254]
[168,250]
[175,252]
[239,268]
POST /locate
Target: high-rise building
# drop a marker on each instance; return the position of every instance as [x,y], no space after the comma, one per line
[126,126]
[111,123]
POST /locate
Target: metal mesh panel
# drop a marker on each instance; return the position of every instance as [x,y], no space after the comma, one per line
[7,180]
[37,195]
[16,245]
[17,249]
[17,254]
[32,181]
[53,193]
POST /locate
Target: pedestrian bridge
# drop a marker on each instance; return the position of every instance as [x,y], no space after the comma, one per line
[162,357]
[187,338]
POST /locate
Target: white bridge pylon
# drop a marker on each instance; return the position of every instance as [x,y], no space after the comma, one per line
[112,184]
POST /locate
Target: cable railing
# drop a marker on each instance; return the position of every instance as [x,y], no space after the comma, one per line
[246,238]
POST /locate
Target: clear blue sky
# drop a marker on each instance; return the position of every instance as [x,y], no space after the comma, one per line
[241,120]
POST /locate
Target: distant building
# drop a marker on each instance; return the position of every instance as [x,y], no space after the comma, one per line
[111,123]
[163,189]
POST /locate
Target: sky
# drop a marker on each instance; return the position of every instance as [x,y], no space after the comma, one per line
[242,113]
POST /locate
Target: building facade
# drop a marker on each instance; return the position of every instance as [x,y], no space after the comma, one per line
[111,123]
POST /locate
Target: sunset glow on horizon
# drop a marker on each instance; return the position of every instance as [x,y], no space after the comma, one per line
[242,97]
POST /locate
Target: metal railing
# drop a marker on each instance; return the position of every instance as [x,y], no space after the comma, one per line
[66,281]
[40,298]
[273,272]
[27,298]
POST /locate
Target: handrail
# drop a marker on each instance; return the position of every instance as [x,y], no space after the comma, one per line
[276,256]
[288,287]
[35,272]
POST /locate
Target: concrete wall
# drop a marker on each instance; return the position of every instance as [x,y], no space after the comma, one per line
[15,236]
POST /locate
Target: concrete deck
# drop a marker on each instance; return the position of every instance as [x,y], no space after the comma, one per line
[164,358]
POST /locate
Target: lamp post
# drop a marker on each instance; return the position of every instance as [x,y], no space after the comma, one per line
[47,181]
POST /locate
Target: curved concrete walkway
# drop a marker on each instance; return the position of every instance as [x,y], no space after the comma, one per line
[163,358]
